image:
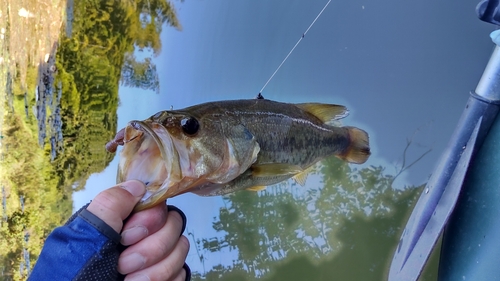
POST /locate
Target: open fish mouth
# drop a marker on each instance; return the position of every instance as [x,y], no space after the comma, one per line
[148,155]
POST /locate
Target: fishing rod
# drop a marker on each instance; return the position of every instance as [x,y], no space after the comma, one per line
[295,46]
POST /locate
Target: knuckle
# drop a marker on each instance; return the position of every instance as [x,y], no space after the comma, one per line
[156,217]
[167,270]
[176,217]
[164,247]
[184,243]
[107,206]
[152,219]
[107,199]
[182,275]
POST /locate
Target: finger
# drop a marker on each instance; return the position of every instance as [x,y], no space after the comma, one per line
[184,219]
[153,248]
[167,268]
[187,272]
[113,205]
[144,223]
[181,276]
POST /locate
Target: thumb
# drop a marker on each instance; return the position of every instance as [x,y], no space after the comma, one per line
[115,204]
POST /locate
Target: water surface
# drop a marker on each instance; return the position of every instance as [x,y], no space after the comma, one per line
[403,69]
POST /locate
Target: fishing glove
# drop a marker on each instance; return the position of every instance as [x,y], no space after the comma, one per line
[85,248]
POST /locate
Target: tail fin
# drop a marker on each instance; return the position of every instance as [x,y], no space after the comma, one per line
[359,149]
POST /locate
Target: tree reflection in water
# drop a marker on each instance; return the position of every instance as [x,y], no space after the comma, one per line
[318,232]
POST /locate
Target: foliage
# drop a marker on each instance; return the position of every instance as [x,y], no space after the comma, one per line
[140,74]
[28,177]
[152,16]
[87,70]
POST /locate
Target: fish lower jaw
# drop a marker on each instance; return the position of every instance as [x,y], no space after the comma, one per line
[152,198]
[146,196]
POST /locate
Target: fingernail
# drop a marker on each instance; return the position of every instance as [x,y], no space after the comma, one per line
[134,187]
[131,263]
[140,277]
[133,235]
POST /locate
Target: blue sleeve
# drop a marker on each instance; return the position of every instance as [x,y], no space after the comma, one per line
[85,248]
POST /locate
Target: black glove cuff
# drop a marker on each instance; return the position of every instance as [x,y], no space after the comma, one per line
[100,225]
[188,272]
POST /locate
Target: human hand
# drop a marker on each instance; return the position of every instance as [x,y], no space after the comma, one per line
[157,250]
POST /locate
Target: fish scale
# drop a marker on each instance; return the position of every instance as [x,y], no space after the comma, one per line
[284,132]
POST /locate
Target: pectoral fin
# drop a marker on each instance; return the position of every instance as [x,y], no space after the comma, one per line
[275,169]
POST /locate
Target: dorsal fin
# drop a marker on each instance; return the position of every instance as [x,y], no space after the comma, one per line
[327,113]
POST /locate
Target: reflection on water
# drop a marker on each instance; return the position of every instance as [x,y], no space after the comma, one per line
[48,98]
[346,216]
[4,205]
[69,18]
[59,108]
[24,266]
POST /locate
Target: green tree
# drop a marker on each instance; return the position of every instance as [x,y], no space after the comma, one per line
[89,66]
[152,14]
[141,75]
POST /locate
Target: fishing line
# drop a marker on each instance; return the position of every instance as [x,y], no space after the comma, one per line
[300,39]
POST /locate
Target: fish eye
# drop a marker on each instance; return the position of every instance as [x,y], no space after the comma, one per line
[190,126]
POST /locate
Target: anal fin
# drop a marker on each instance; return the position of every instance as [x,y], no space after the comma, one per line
[301,177]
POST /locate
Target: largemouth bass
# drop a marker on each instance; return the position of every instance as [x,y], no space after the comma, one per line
[220,147]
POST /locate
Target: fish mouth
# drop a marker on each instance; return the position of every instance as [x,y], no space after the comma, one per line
[149,155]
